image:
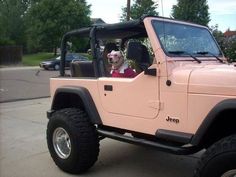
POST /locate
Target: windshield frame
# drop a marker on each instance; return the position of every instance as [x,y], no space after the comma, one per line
[203,57]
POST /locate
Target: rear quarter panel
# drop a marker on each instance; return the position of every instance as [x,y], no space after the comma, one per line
[90,84]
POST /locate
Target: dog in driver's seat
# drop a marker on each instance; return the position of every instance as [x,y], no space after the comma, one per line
[120,68]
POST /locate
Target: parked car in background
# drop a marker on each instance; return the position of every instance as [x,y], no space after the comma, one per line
[55,63]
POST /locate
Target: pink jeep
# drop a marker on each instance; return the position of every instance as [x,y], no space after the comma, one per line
[183,99]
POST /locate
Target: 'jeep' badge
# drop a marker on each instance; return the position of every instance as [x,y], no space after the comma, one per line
[174,120]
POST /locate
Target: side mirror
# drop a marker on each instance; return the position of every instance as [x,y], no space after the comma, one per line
[151,72]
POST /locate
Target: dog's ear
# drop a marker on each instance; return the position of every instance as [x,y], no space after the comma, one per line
[110,54]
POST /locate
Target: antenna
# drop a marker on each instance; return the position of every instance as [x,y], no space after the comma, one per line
[164,31]
[162,9]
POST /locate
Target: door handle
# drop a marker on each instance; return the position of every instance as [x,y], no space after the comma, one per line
[108,87]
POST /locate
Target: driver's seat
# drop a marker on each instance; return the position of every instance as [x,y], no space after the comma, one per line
[138,53]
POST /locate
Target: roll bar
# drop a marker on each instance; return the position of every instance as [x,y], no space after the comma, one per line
[83,32]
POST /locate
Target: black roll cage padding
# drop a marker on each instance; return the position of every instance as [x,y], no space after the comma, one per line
[123,30]
[63,56]
[133,28]
[93,42]
[83,32]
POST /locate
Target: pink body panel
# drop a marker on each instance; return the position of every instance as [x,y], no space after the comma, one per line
[145,102]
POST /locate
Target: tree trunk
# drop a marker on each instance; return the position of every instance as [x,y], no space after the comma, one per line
[55,51]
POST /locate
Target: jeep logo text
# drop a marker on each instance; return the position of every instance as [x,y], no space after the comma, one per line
[174,120]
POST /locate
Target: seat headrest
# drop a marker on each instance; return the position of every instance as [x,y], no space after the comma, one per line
[134,51]
[137,52]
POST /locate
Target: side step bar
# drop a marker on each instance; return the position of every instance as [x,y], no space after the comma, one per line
[138,141]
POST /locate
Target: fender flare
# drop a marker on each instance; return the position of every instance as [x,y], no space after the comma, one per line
[229,104]
[86,99]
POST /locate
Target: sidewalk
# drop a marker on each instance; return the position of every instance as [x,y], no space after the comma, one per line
[10,68]
[24,153]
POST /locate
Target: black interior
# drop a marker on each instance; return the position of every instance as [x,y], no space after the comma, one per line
[139,53]
[125,30]
[82,69]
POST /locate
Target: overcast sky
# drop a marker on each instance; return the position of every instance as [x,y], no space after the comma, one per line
[221,12]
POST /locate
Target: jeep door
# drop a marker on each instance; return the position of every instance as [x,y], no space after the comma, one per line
[136,97]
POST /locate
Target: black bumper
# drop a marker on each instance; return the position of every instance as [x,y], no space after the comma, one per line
[49,113]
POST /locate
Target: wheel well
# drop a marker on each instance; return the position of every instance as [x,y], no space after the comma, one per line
[67,100]
[222,126]
[76,97]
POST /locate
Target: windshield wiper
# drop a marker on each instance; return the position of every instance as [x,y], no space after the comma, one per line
[184,52]
[205,52]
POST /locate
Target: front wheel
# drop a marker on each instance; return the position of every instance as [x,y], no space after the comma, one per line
[72,140]
[219,160]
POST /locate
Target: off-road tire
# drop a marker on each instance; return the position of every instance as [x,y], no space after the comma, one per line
[83,139]
[218,159]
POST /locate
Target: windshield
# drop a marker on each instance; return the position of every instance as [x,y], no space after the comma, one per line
[180,38]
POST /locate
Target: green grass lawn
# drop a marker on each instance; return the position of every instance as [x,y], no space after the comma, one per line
[35,59]
[87,55]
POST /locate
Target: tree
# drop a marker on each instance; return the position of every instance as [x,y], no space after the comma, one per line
[195,11]
[139,8]
[12,28]
[230,49]
[227,44]
[219,36]
[48,20]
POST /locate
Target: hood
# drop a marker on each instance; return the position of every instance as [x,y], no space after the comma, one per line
[213,79]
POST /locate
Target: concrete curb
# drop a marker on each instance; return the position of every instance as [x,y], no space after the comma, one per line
[22,99]
[19,68]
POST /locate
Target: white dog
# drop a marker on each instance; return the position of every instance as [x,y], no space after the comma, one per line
[120,68]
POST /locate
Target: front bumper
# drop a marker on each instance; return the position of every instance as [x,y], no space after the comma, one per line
[45,66]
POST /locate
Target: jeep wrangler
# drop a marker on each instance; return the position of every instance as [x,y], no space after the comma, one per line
[183,99]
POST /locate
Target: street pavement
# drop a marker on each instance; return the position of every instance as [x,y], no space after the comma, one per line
[24,153]
[20,83]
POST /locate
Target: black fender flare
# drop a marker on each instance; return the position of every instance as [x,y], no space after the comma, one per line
[228,104]
[85,97]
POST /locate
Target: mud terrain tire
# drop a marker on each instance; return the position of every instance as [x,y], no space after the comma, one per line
[72,140]
[219,160]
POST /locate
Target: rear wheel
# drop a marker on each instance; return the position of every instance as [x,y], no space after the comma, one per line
[231,173]
[56,67]
[72,140]
[219,160]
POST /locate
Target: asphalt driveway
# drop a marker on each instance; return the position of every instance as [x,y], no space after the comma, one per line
[23,150]
[22,83]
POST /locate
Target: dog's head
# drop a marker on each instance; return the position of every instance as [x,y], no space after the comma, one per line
[115,58]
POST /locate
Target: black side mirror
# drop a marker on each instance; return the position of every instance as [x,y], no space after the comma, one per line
[151,72]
